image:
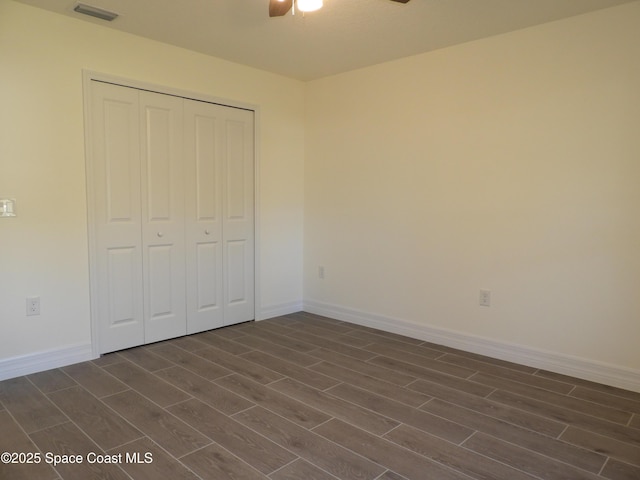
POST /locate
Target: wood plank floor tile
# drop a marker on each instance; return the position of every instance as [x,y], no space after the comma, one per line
[143,357]
[380,334]
[307,329]
[286,320]
[94,379]
[108,359]
[272,326]
[558,400]
[385,453]
[175,436]
[162,464]
[494,361]
[216,463]
[214,340]
[431,375]
[507,373]
[515,416]
[104,427]
[438,426]
[389,475]
[276,402]
[528,439]
[453,456]
[576,419]
[190,361]
[256,450]
[67,439]
[232,331]
[276,350]
[331,326]
[329,329]
[616,470]
[606,399]
[14,440]
[605,445]
[190,343]
[379,343]
[301,469]
[51,380]
[324,402]
[279,339]
[635,421]
[291,370]
[375,337]
[149,385]
[421,361]
[29,407]
[331,345]
[357,365]
[206,391]
[525,460]
[302,315]
[619,392]
[323,453]
[375,385]
[239,365]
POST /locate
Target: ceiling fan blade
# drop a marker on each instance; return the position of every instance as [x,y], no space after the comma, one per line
[401,1]
[278,8]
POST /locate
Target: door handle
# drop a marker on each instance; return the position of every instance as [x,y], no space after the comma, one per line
[160,234]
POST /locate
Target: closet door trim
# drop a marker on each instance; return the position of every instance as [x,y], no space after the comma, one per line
[89,76]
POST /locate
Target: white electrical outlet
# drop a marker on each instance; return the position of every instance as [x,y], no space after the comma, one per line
[485,298]
[33,306]
[321,273]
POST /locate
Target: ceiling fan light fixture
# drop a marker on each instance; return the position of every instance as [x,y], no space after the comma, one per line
[309,5]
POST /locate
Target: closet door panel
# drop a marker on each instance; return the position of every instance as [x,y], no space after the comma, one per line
[238,225]
[115,187]
[162,195]
[204,144]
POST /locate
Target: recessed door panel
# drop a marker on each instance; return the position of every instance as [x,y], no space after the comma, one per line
[123,285]
[120,127]
[207,168]
[207,265]
[236,170]
[236,279]
[161,289]
[163,222]
[159,140]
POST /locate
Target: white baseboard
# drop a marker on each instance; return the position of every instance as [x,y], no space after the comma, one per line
[613,375]
[278,310]
[41,361]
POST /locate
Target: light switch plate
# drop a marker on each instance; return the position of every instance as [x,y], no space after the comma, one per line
[7,207]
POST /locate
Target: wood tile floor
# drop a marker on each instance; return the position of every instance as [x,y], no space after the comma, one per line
[303,397]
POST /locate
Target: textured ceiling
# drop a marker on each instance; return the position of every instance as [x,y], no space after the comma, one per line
[344,35]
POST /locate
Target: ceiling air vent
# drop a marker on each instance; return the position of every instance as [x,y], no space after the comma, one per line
[95,12]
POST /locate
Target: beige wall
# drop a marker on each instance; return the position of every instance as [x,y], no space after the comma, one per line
[44,249]
[510,164]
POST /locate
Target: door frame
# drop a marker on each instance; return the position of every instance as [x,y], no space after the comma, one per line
[89,76]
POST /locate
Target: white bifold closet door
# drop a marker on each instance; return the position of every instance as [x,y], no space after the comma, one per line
[173,215]
[220,215]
